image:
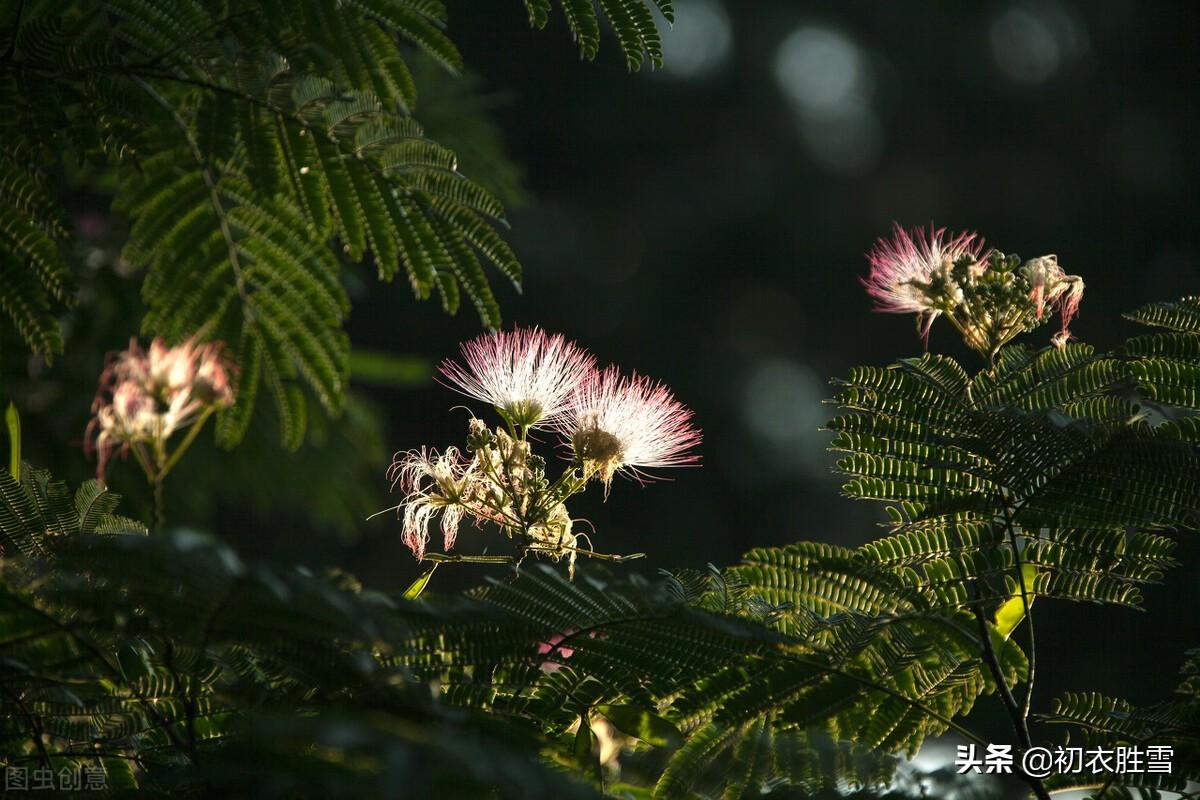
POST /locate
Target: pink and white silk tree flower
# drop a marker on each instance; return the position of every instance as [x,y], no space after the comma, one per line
[146,396]
[130,417]
[433,483]
[988,296]
[612,423]
[905,269]
[552,647]
[166,372]
[526,374]
[1051,286]
[627,423]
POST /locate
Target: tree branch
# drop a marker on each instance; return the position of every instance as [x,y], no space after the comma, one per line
[1006,696]
[1026,605]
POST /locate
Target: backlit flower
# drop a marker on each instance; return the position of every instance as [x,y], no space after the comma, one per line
[527,374]
[129,418]
[1051,286]
[433,483]
[628,423]
[988,296]
[908,270]
[146,396]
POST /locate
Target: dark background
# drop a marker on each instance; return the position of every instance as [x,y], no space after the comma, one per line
[705,224]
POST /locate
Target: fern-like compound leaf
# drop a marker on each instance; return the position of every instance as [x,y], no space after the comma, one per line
[256,147]
[632,21]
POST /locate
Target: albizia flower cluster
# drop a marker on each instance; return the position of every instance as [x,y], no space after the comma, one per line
[146,396]
[988,296]
[609,422]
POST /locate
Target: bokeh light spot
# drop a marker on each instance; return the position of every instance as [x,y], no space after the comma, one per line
[849,143]
[781,407]
[1031,43]
[831,84]
[822,70]
[700,41]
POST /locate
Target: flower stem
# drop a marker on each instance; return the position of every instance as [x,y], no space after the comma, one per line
[618,558]
[443,558]
[186,443]
[154,476]
[160,508]
[142,462]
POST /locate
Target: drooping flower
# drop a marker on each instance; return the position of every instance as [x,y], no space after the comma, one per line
[628,423]
[527,374]
[130,417]
[433,483]
[146,396]
[1051,286]
[907,269]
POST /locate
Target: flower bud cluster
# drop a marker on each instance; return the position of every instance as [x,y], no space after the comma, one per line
[609,422]
[144,397]
[988,296]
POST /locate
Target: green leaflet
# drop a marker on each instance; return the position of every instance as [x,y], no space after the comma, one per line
[631,20]
[34,279]
[1096,720]
[642,724]
[1009,615]
[12,423]
[36,510]
[416,587]
[582,746]
[1166,365]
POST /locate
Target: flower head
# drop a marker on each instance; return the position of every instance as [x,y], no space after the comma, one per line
[1051,286]
[146,396]
[906,269]
[612,423]
[628,423]
[433,483]
[988,296]
[527,374]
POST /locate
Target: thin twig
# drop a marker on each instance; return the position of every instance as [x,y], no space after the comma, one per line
[1025,602]
[554,548]
[186,443]
[445,558]
[160,505]
[1006,696]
